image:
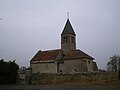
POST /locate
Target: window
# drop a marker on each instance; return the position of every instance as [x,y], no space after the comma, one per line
[75,70]
[65,39]
[73,39]
[88,62]
[61,71]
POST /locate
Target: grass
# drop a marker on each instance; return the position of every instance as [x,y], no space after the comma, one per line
[113,82]
[109,85]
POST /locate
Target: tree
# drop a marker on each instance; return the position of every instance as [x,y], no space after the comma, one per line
[113,64]
[8,72]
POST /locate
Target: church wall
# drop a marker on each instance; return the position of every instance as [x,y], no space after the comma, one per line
[89,65]
[43,68]
[71,66]
[68,46]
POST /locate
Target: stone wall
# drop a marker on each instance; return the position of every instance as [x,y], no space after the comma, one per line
[69,66]
[72,79]
[43,68]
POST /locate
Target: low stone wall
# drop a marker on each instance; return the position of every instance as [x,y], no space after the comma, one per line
[72,79]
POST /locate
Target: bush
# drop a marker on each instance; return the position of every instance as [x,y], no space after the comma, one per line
[8,72]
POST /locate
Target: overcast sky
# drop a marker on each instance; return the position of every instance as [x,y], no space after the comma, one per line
[27,26]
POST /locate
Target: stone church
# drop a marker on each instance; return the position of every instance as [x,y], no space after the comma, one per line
[68,59]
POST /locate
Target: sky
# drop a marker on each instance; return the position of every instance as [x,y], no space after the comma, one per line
[27,26]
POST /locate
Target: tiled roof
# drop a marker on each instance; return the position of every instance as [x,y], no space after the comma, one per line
[45,55]
[68,28]
[51,55]
[78,54]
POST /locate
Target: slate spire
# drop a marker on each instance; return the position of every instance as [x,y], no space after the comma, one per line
[68,29]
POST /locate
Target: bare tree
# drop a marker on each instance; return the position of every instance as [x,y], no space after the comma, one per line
[113,64]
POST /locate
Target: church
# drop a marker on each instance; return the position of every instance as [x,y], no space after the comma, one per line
[67,59]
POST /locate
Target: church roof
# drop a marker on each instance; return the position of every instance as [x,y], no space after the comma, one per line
[51,55]
[45,55]
[68,28]
[77,54]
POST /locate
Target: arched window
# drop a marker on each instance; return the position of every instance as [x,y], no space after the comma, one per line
[88,62]
[73,39]
[65,39]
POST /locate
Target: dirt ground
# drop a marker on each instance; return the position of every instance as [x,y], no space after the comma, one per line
[113,85]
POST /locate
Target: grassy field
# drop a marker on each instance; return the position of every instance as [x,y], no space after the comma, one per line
[111,85]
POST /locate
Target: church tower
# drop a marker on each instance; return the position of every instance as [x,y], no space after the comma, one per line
[68,38]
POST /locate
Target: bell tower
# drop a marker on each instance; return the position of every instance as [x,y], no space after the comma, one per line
[68,38]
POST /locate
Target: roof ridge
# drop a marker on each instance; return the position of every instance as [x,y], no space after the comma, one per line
[85,53]
[51,50]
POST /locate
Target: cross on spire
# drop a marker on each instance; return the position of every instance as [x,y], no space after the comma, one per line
[67,15]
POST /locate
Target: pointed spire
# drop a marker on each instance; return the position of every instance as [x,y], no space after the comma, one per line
[68,29]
